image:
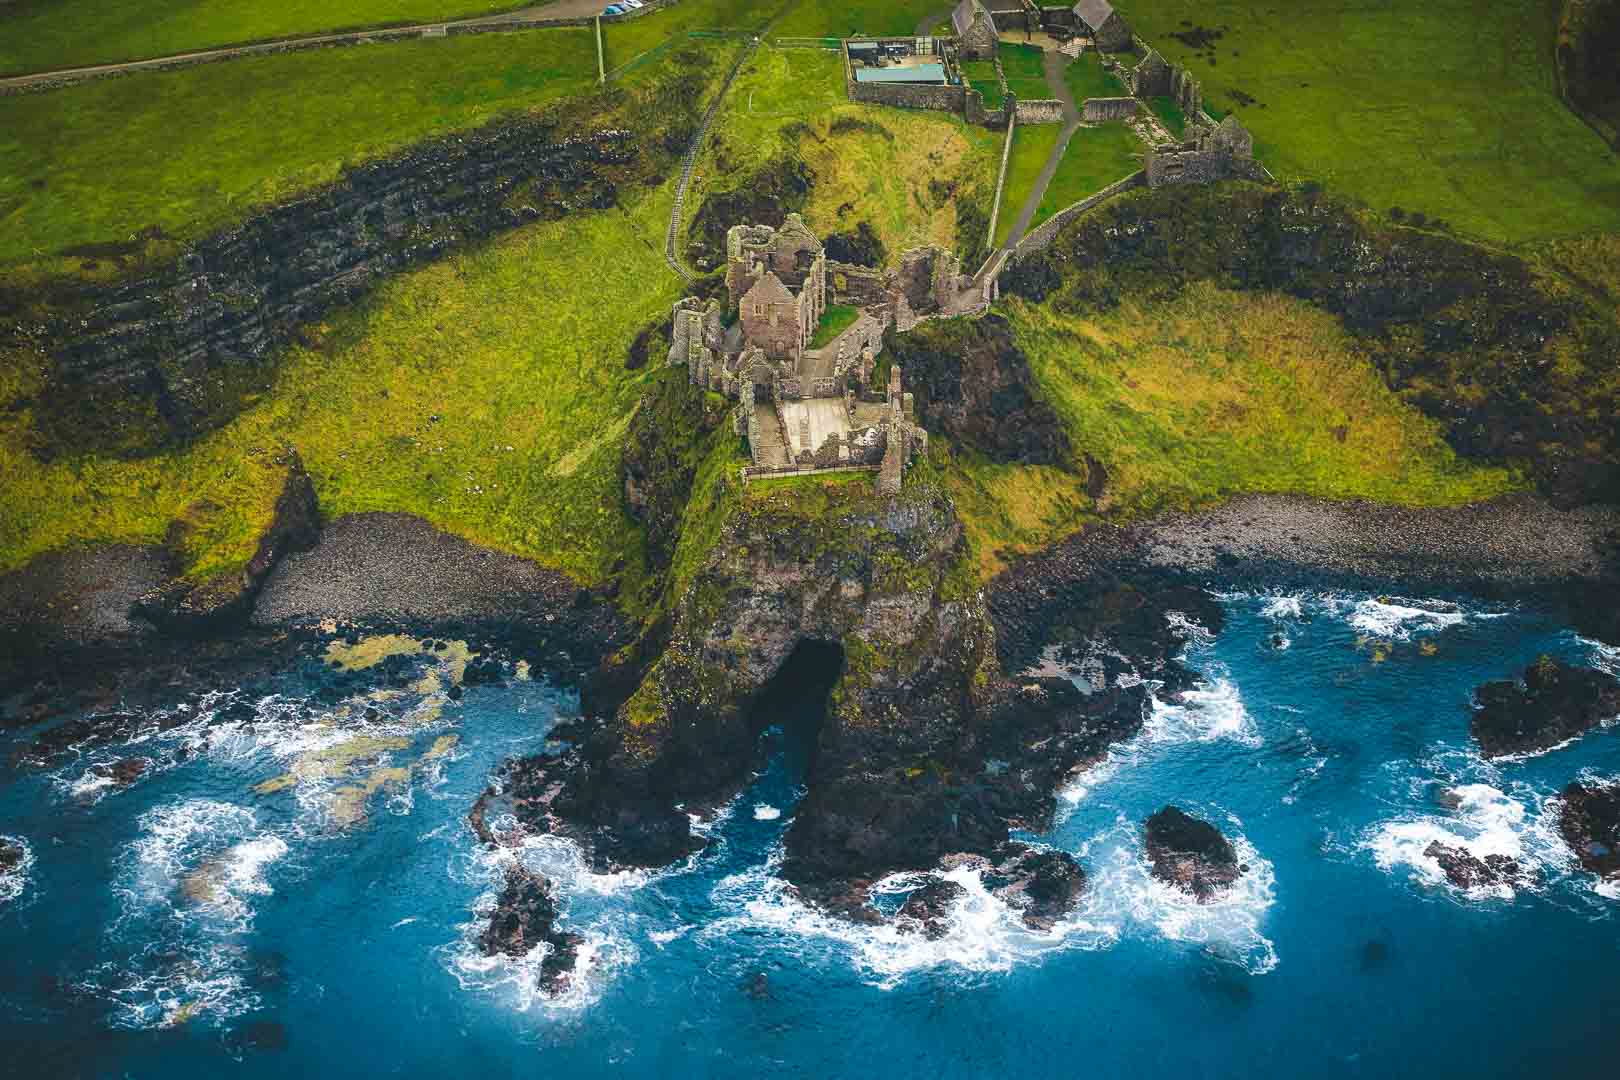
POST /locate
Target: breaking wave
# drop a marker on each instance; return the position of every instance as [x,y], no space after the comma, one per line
[14,881]
[1212,711]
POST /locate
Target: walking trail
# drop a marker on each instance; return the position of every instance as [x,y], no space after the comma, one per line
[1055,62]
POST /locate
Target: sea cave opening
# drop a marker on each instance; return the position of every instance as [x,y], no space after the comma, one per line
[795,700]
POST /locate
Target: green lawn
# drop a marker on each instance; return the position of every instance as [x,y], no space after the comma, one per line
[486,393]
[1026,75]
[191,150]
[897,18]
[1095,158]
[1169,114]
[981,75]
[1087,78]
[1199,398]
[625,42]
[834,321]
[1444,106]
[1032,145]
[38,35]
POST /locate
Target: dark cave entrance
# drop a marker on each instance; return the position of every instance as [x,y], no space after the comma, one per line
[795,701]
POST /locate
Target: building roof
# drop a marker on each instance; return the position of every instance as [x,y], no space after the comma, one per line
[1094,12]
[913,73]
[962,17]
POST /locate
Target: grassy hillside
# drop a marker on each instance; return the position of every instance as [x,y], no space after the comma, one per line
[910,173]
[37,35]
[1209,395]
[487,393]
[191,150]
[1448,107]
[810,18]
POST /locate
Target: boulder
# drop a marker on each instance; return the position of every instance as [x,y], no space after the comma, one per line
[525,916]
[926,909]
[1191,854]
[1590,825]
[1045,884]
[1466,870]
[11,856]
[1555,703]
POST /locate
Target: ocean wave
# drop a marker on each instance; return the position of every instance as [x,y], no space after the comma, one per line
[1125,894]
[1212,711]
[1486,821]
[766,812]
[983,934]
[165,988]
[1285,607]
[200,859]
[14,881]
[1397,619]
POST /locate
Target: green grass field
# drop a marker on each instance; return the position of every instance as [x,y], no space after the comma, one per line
[1087,78]
[981,75]
[898,18]
[191,150]
[1444,106]
[1032,145]
[38,35]
[486,393]
[1026,75]
[1207,396]
[834,321]
[1095,158]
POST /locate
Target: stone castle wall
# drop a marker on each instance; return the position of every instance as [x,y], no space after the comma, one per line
[1041,238]
[1104,110]
[1047,111]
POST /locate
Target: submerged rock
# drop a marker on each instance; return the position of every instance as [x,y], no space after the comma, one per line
[525,916]
[1191,854]
[11,856]
[1590,825]
[1466,870]
[1555,703]
[926,910]
[123,772]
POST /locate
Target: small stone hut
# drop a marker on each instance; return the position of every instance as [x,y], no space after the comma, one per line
[1106,26]
[976,28]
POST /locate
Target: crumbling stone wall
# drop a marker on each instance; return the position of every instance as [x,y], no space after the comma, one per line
[1157,77]
[1105,110]
[1220,153]
[939,96]
[1046,111]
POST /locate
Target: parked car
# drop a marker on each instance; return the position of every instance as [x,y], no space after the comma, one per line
[613,9]
[632,3]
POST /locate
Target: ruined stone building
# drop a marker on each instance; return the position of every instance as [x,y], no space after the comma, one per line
[1106,26]
[777,279]
[1214,153]
[975,29]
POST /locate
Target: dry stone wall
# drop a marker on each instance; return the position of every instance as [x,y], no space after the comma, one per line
[1049,111]
[1105,110]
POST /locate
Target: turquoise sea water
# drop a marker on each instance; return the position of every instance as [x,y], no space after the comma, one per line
[159,930]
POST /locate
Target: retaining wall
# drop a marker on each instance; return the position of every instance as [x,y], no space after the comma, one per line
[1041,238]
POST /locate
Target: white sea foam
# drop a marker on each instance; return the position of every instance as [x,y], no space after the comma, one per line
[1398,619]
[1123,892]
[982,932]
[1488,821]
[201,858]
[766,812]
[1283,607]
[1087,781]
[164,989]
[1210,712]
[14,882]
[1194,634]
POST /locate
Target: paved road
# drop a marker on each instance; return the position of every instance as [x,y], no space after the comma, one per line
[539,15]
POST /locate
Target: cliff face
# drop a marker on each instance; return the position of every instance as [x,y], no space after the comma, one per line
[926,748]
[1511,356]
[1588,45]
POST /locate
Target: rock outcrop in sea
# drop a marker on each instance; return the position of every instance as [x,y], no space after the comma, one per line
[1191,854]
[1554,703]
[525,917]
[1590,825]
[1466,870]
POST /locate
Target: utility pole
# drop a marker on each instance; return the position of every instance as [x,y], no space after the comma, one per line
[601,65]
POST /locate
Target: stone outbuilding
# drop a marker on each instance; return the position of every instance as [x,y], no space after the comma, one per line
[976,30]
[1106,26]
[778,280]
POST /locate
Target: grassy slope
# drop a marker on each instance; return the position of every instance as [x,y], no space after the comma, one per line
[1032,145]
[1443,106]
[1210,395]
[522,369]
[43,34]
[192,150]
[877,170]
[1095,158]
